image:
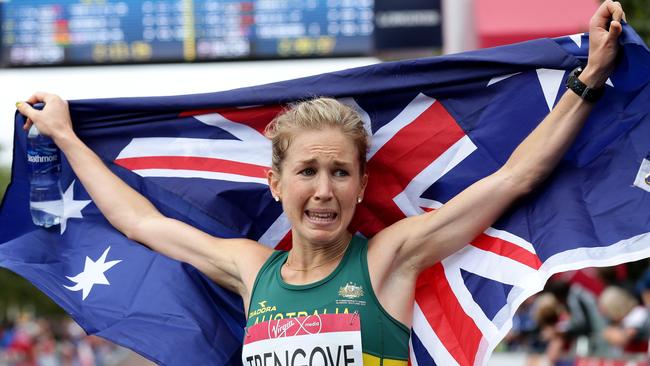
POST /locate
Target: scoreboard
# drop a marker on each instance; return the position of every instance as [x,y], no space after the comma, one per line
[82,32]
[75,32]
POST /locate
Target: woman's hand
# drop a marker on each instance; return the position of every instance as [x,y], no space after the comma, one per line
[603,43]
[53,120]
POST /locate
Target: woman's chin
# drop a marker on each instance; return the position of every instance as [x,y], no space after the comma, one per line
[321,232]
[324,236]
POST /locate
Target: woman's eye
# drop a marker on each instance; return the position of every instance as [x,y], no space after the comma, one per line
[308,171]
[341,173]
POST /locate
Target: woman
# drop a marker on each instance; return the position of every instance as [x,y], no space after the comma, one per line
[318,174]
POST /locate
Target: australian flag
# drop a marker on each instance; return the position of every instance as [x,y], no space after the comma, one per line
[437,125]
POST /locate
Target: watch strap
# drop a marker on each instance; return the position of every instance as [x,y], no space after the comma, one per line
[589,94]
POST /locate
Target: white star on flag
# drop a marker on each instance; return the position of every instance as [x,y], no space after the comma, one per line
[93,274]
[71,208]
[577,39]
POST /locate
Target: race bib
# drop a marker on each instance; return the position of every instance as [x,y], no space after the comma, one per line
[313,340]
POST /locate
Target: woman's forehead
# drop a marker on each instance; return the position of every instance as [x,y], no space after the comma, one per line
[328,143]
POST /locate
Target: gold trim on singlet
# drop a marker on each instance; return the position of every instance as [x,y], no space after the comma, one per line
[370,360]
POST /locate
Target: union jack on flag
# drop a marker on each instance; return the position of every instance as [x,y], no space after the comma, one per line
[437,126]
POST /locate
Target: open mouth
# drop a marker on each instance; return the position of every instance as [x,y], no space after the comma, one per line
[321,216]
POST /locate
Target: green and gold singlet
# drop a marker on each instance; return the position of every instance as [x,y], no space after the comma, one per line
[346,290]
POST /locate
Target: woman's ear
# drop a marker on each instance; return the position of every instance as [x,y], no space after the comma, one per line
[273,178]
[364,184]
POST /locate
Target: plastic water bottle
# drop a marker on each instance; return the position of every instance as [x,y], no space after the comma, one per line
[45,198]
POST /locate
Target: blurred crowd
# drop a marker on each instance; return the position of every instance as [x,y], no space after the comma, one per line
[28,341]
[600,314]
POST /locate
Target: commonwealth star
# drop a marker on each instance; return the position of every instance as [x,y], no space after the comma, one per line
[93,274]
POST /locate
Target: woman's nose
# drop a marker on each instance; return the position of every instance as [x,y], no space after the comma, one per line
[323,188]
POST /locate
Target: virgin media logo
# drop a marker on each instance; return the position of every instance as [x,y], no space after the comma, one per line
[303,325]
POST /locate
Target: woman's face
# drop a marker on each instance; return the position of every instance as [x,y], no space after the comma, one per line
[319,185]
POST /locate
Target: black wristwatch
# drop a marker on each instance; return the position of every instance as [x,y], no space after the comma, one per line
[589,94]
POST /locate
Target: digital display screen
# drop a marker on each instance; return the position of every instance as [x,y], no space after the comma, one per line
[47,32]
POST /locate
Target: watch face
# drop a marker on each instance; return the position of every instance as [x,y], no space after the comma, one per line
[575,84]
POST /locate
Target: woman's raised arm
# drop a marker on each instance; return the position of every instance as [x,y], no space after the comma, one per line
[135,216]
[421,241]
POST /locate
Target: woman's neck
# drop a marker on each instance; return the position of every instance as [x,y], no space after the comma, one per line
[309,263]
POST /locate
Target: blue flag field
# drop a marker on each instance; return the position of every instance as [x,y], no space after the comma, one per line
[437,125]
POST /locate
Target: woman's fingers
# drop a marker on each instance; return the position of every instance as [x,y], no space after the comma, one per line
[615,10]
[615,30]
[28,124]
[39,97]
[25,109]
[608,11]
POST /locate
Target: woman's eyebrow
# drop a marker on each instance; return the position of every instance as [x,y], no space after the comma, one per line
[336,162]
[342,162]
[307,161]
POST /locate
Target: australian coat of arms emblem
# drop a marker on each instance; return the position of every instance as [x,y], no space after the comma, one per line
[351,291]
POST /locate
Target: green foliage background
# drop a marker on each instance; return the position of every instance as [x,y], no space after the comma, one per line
[637,13]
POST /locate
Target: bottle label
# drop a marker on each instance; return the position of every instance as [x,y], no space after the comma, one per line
[42,159]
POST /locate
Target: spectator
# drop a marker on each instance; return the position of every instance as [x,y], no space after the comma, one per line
[628,320]
[569,321]
[547,314]
[524,335]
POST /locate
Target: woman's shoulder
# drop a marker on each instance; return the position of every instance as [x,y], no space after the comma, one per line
[253,250]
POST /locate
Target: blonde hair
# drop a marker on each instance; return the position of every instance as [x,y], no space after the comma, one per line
[547,310]
[316,114]
[615,303]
